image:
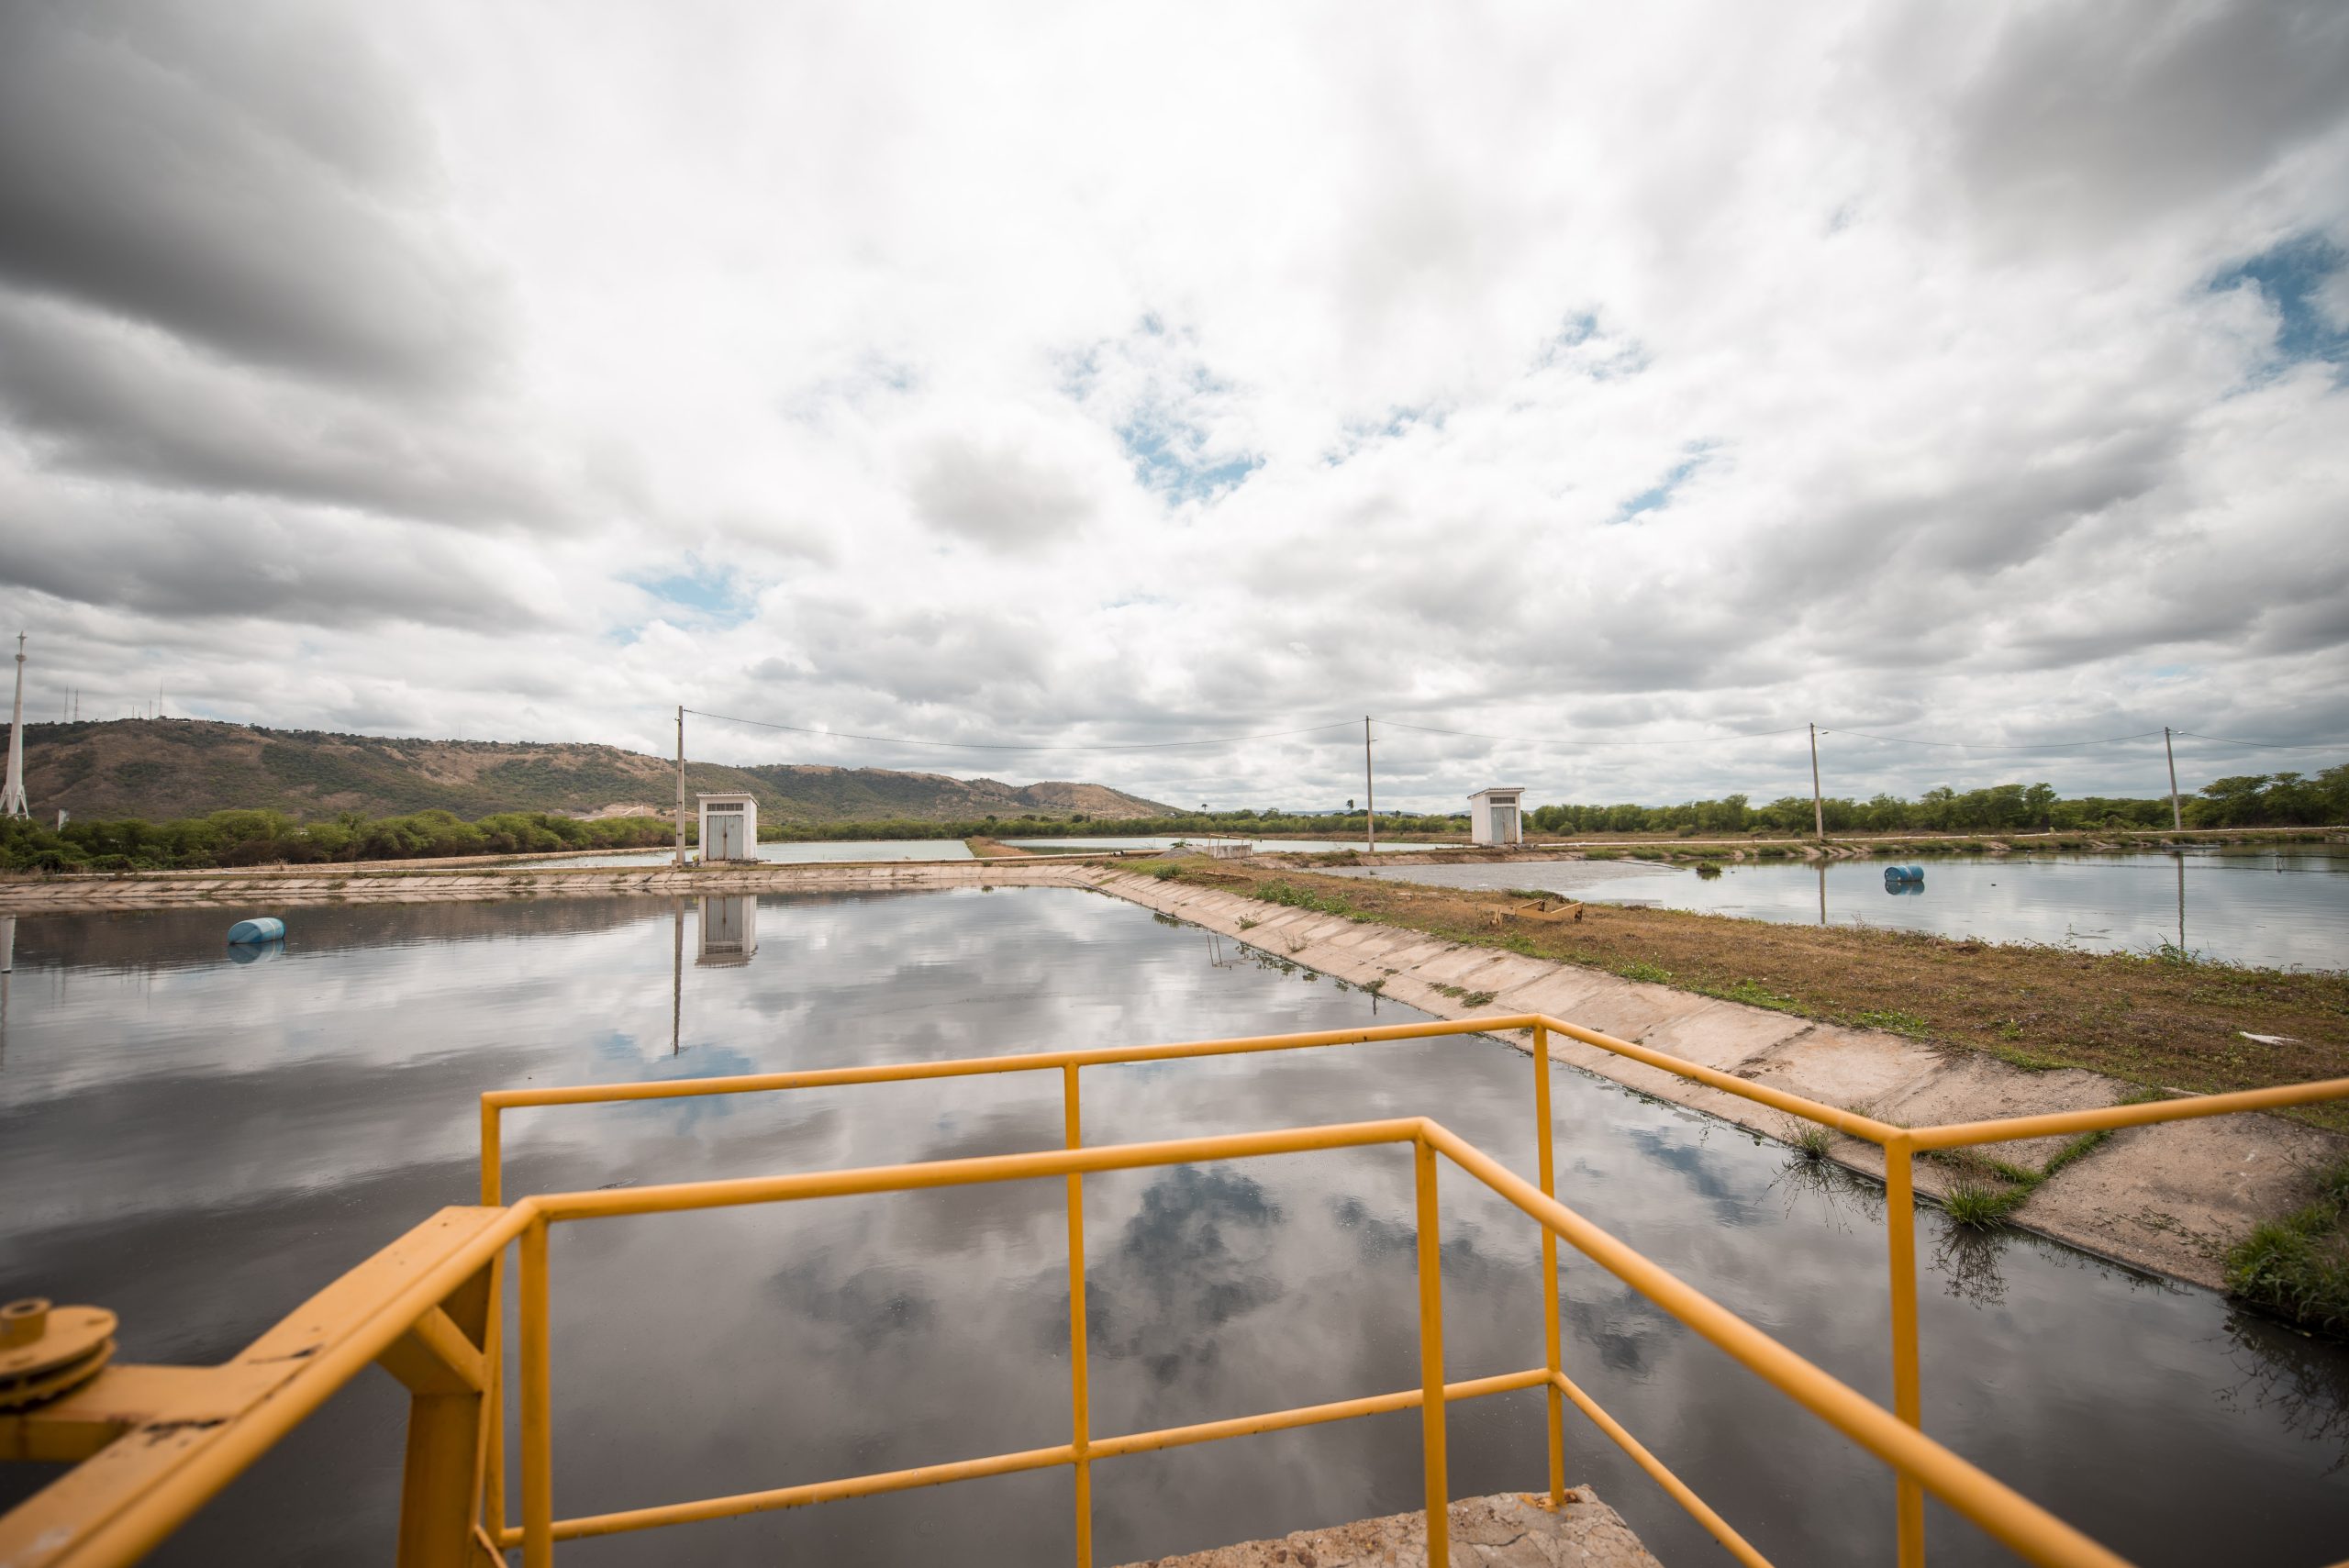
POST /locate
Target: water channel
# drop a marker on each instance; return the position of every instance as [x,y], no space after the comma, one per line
[2281,909]
[200,1144]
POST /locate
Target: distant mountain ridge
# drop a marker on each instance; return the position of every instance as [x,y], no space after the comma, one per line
[160,769]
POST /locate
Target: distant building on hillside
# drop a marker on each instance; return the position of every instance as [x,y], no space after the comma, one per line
[1493,816]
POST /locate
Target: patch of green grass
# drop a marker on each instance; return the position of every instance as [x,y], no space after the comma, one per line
[1477,999]
[1602,854]
[1754,994]
[2297,1267]
[1248,925]
[1648,972]
[1979,1206]
[1290,896]
[1810,1140]
[1896,1022]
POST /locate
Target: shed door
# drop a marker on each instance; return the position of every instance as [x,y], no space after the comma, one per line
[726,836]
[1504,824]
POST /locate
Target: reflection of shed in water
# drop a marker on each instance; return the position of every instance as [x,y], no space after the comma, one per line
[730,930]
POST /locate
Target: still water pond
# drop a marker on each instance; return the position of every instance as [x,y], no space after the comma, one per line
[200,1144]
[2282,910]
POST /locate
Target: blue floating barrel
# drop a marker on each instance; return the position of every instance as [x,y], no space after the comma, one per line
[267,928]
[1903,874]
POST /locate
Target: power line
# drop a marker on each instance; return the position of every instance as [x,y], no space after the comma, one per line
[1580,741]
[2266,745]
[996,746]
[1997,745]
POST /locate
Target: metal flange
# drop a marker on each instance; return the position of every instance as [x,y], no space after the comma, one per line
[47,1351]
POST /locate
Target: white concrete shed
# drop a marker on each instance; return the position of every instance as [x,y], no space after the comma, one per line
[1493,816]
[730,828]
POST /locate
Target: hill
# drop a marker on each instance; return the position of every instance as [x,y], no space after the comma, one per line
[165,767]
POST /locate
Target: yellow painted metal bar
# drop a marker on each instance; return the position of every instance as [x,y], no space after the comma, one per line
[1544,1141]
[493,1409]
[1680,1491]
[1079,1391]
[493,1161]
[1907,1395]
[538,1405]
[1313,1415]
[1954,1135]
[1432,1406]
[705,1509]
[124,1527]
[739,1190]
[2013,1521]
[1858,1126]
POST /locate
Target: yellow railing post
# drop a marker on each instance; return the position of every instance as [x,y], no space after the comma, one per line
[538,1406]
[1431,1356]
[1543,1139]
[1080,1413]
[490,1507]
[1907,1397]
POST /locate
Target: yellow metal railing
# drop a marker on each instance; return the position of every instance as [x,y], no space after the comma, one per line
[426,1309]
[1900,1146]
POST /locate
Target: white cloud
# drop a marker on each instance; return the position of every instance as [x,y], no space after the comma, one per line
[1122,375]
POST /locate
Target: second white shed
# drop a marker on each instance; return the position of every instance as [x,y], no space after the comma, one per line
[1493,816]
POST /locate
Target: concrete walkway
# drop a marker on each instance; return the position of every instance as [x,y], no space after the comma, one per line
[1509,1531]
[2170,1198]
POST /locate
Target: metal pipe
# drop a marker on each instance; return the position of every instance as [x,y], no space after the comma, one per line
[538,1406]
[704,1509]
[737,1191]
[1952,1135]
[1908,1398]
[1080,1416]
[1432,1410]
[1680,1490]
[1552,1342]
[2006,1516]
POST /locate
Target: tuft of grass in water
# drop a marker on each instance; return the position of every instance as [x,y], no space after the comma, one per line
[1979,1206]
[1709,869]
[1811,1142]
[2297,1267]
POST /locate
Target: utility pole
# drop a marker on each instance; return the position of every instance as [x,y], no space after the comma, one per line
[1817,810]
[2177,818]
[12,797]
[680,787]
[1369,799]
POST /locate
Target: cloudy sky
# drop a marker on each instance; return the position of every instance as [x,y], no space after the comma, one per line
[1615,381]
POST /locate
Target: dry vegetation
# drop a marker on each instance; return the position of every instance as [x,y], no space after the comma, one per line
[2162,1023]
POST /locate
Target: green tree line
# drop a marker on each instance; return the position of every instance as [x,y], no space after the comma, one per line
[269,838]
[2250,800]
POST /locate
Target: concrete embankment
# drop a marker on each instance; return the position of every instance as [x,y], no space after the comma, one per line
[2170,1198]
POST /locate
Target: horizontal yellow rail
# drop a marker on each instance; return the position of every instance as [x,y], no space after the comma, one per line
[2023,1527]
[1900,1146]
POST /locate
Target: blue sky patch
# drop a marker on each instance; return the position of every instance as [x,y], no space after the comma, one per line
[1657,496]
[710,597]
[2292,277]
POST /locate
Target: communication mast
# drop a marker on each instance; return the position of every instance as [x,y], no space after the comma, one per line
[12,799]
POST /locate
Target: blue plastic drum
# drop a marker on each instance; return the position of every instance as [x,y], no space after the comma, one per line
[267,928]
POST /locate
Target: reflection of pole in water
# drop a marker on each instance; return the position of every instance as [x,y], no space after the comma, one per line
[8,967]
[677,971]
[1822,893]
[2181,902]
